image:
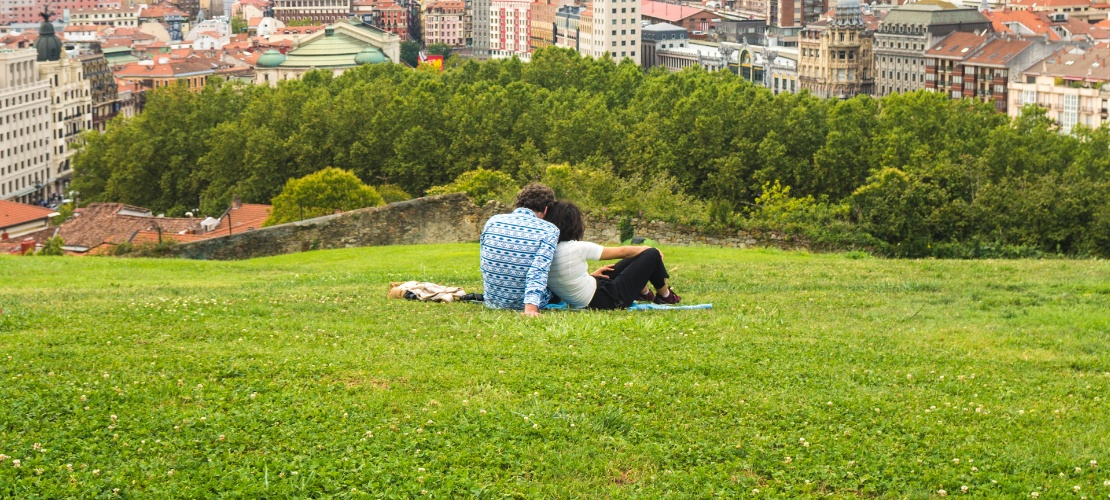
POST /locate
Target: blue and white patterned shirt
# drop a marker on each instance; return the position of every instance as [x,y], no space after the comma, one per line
[516,251]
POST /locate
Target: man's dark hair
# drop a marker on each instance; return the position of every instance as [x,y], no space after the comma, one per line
[566,216]
[535,197]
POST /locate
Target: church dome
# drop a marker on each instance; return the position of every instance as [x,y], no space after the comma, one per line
[370,55]
[270,59]
[848,13]
[48,45]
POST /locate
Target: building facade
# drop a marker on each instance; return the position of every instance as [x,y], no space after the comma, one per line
[616,29]
[119,17]
[25,141]
[979,66]
[384,14]
[834,56]
[567,21]
[444,22]
[907,32]
[71,103]
[509,29]
[658,37]
[543,23]
[102,85]
[480,24]
[1069,85]
[316,11]
[27,11]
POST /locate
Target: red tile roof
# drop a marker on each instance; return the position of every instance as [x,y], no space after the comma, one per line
[169,69]
[13,214]
[247,217]
[1037,22]
[113,223]
[1048,3]
[999,52]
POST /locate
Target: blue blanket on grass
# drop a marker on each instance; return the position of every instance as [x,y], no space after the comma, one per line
[635,307]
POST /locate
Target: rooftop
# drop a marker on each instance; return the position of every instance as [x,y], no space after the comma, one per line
[13,214]
[667,11]
[1072,63]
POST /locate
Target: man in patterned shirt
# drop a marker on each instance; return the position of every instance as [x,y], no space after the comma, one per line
[516,251]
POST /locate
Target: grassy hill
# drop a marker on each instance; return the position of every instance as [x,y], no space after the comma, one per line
[813,375]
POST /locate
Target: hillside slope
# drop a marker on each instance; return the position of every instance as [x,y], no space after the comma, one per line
[294,375]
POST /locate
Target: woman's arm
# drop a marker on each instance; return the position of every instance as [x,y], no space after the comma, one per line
[610,253]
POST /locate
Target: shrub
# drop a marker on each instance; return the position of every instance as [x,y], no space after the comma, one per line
[481,186]
[322,193]
[392,193]
[52,247]
[825,225]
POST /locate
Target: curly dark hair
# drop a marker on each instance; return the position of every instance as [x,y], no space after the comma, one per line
[535,197]
[568,218]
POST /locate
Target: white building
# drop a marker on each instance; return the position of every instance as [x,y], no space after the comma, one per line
[25,142]
[615,30]
[510,29]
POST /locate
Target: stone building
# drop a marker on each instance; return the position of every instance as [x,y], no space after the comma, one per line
[102,85]
[384,14]
[337,48]
[119,17]
[25,141]
[1069,84]
[317,11]
[444,21]
[660,36]
[907,32]
[70,99]
[835,57]
[567,21]
[980,65]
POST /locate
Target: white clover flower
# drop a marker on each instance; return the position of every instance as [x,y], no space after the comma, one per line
[963,489]
[96,472]
[170,472]
[15,463]
[942,493]
[221,437]
[755,491]
[974,469]
[36,446]
[1076,488]
[1034,494]
[955,460]
[1094,463]
[1104,483]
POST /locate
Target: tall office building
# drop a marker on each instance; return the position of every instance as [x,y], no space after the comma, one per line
[25,142]
[615,29]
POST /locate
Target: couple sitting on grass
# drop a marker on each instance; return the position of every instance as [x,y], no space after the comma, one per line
[534,253]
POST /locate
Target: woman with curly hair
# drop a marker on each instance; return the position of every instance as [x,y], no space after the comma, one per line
[614,286]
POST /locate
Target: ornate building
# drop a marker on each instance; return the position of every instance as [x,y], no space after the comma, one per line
[316,11]
[25,143]
[907,32]
[70,102]
[337,48]
[835,55]
[102,84]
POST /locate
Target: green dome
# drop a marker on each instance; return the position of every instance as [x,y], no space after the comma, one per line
[48,46]
[270,59]
[370,55]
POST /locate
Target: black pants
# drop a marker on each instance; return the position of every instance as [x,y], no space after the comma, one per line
[627,280]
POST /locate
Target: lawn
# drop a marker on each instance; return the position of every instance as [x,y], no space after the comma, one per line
[813,375]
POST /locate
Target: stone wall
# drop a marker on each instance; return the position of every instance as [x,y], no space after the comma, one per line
[450,218]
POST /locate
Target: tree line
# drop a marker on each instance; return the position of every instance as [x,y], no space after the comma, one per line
[907,175]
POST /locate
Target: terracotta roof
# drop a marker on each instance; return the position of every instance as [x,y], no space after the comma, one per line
[113,223]
[1072,63]
[254,21]
[160,11]
[173,68]
[13,214]
[247,217]
[1048,3]
[667,11]
[999,52]
[1036,22]
[957,45]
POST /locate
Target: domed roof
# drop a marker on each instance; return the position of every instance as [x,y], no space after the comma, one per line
[48,45]
[270,59]
[370,55]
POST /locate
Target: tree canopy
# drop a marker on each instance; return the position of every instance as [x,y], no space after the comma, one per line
[325,192]
[911,174]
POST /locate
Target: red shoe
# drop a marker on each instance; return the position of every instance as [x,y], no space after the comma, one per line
[647,296]
[673,298]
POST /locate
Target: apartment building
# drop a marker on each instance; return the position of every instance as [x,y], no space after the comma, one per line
[25,127]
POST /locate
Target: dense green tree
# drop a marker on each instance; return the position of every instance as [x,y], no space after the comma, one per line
[410,53]
[325,192]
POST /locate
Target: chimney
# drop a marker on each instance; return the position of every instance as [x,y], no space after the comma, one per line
[236,202]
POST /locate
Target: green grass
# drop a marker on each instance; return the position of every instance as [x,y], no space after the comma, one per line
[294,376]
